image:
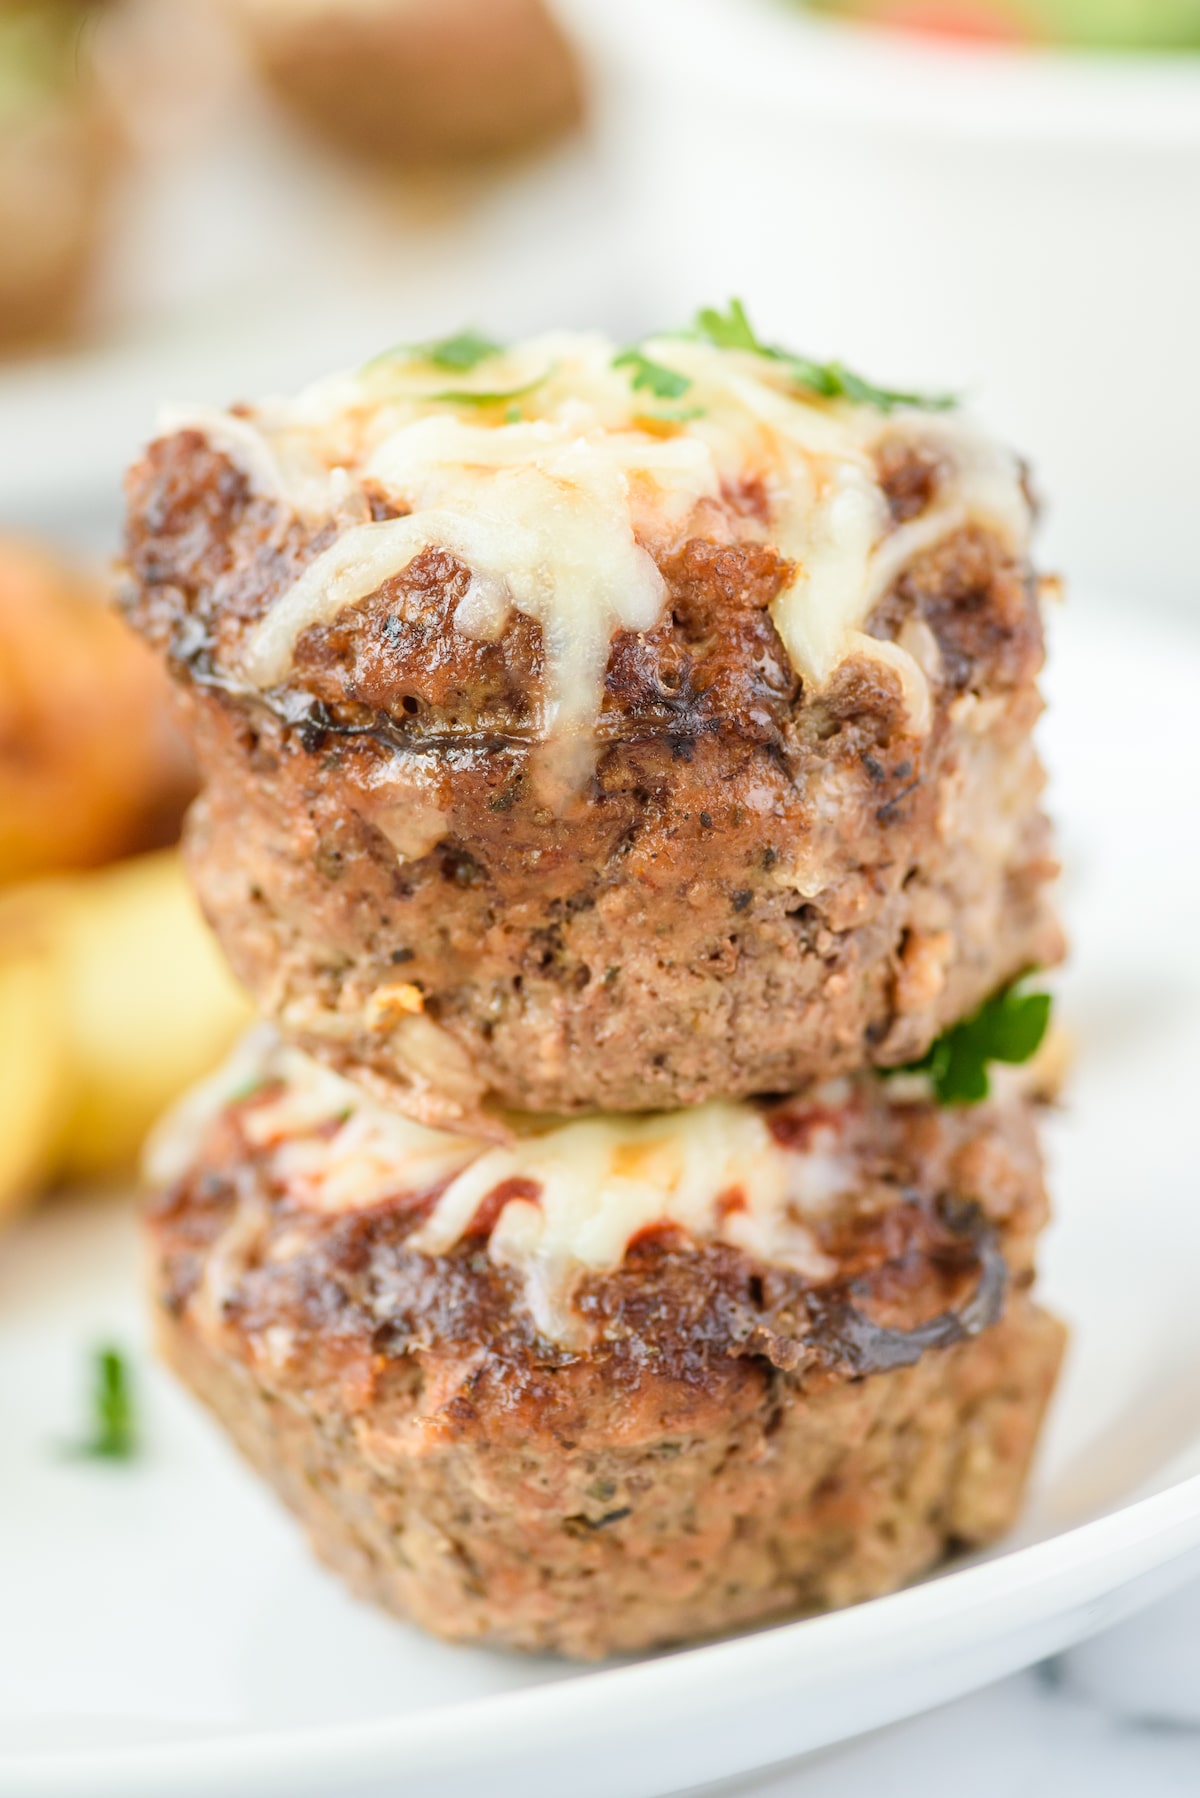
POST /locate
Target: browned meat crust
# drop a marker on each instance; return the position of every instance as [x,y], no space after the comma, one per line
[737,1443]
[759,886]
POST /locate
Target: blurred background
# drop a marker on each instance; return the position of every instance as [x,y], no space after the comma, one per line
[202,200]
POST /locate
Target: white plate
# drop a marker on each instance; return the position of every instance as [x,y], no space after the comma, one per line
[165,1632]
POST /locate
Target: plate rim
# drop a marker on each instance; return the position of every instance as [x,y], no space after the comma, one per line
[1140,1536]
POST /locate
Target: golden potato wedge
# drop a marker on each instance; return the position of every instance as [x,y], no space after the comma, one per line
[34,1073]
[113,999]
[90,767]
[149,1006]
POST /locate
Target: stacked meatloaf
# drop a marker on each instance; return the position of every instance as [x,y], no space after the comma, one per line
[621,802]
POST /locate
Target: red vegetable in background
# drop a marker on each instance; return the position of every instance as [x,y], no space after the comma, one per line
[973,19]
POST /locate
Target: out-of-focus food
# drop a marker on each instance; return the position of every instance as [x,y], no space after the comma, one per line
[625,1381]
[91,767]
[59,152]
[417,81]
[113,998]
[34,1079]
[587,729]
[150,1005]
[1112,24]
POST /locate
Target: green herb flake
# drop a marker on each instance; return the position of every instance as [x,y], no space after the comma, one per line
[470,396]
[114,1435]
[664,383]
[459,353]
[456,355]
[847,385]
[1008,1027]
[732,330]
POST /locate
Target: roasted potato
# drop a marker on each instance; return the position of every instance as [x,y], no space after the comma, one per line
[113,999]
[417,81]
[90,767]
[34,1079]
[150,1006]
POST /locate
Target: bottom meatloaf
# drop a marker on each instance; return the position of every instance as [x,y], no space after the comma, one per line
[625,1382]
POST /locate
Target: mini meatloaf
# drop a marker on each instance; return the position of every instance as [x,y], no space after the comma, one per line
[417,82]
[625,1382]
[569,748]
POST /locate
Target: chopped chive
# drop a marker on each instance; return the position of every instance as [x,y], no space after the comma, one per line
[113,1434]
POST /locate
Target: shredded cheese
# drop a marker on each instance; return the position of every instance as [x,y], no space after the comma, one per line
[555,483]
[716,1172]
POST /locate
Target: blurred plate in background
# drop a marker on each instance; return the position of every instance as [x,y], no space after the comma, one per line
[1022,226]
[1018,225]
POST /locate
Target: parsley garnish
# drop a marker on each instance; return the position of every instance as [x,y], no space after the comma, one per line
[457,354]
[843,383]
[113,1436]
[470,396]
[663,383]
[1007,1027]
[460,352]
[732,330]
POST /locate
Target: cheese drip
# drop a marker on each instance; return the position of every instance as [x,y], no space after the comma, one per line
[715,1172]
[555,481]
[542,519]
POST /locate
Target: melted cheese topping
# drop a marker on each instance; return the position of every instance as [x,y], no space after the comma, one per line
[715,1172]
[555,481]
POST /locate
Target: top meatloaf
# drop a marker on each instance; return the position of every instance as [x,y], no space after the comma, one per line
[584,731]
